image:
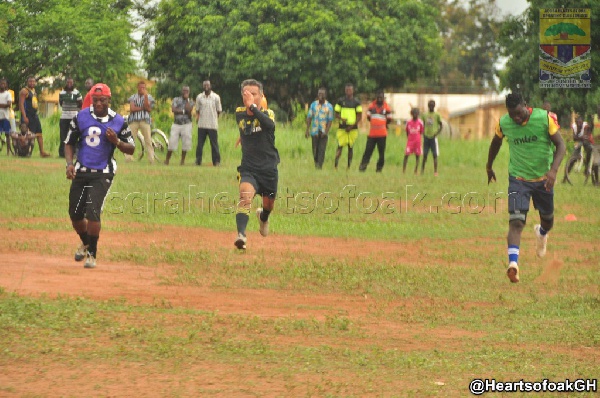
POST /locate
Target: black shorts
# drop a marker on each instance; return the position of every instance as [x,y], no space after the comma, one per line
[264,182]
[34,124]
[519,194]
[430,143]
[87,194]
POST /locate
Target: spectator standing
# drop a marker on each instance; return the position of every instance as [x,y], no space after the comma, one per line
[379,115]
[208,109]
[182,124]
[318,123]
[71,101]
[140,119]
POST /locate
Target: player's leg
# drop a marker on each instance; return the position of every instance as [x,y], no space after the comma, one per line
[173,141]
[418,152]
[543,201]
[36,128]
[352,136]
[381,143]
[342,139]
[426,148]
[267,188]
[186,141]
[518,206]
[78,198]
[99,188]
[322,148]
[202,134]
[247,191]
[214,147]
[434,152]
[315,149]
[147,133]
[368,153]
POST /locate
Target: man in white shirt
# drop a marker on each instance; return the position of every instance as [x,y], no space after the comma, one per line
[208,109]
[5,107]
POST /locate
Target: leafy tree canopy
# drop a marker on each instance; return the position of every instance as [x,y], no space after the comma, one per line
[60,38]
[293,47]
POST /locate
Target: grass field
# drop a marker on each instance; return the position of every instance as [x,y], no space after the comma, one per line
[384,284]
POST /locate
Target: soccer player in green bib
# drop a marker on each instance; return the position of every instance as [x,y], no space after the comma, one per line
[531,134]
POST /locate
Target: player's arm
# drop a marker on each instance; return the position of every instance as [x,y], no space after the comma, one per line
[439,120]
[126,143]
[308,122]
[329,123]
[148,103]
[493,152]
[559,153]
[22,96]
[175,109]
[133,107]
[338,112]
[189,106]
[263,118]
[73,136]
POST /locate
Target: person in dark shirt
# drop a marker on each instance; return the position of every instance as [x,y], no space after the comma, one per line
[257,173]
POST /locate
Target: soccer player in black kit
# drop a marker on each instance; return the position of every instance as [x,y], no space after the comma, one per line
[257,173]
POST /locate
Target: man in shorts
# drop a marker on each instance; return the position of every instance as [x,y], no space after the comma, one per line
[182,124]
[28,104]
[531,133]
[257,173]
[349,112]
[96,132]
[433,128]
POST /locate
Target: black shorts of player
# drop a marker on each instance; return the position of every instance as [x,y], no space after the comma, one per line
[34,124]
[86,198]
[263,181]
[430,143]
[519,194]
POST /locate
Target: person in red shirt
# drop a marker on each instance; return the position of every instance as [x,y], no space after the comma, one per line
[380,116]
[414,130]
[87,101]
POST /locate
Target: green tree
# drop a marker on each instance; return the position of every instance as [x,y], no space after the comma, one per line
[469,30]
[519,40]
[293,47]
[59,38]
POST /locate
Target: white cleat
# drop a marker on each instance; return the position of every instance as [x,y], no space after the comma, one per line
[264,225]
[240,242]
[513,272]
[540,241]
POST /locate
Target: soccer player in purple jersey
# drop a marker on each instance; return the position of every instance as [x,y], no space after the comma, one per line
[96,132]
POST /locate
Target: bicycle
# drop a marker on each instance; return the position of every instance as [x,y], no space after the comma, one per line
[160,143]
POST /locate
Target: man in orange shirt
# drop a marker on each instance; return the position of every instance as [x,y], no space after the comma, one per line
[380,116]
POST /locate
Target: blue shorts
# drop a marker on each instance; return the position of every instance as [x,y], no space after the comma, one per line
[430,144]
[4,126]
[519,194]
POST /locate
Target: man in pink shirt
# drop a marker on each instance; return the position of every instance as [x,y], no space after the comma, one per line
[414,131]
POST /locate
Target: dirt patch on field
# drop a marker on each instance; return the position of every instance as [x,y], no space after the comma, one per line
[26,269]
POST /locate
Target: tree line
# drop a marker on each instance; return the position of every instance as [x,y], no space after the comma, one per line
[293,47]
